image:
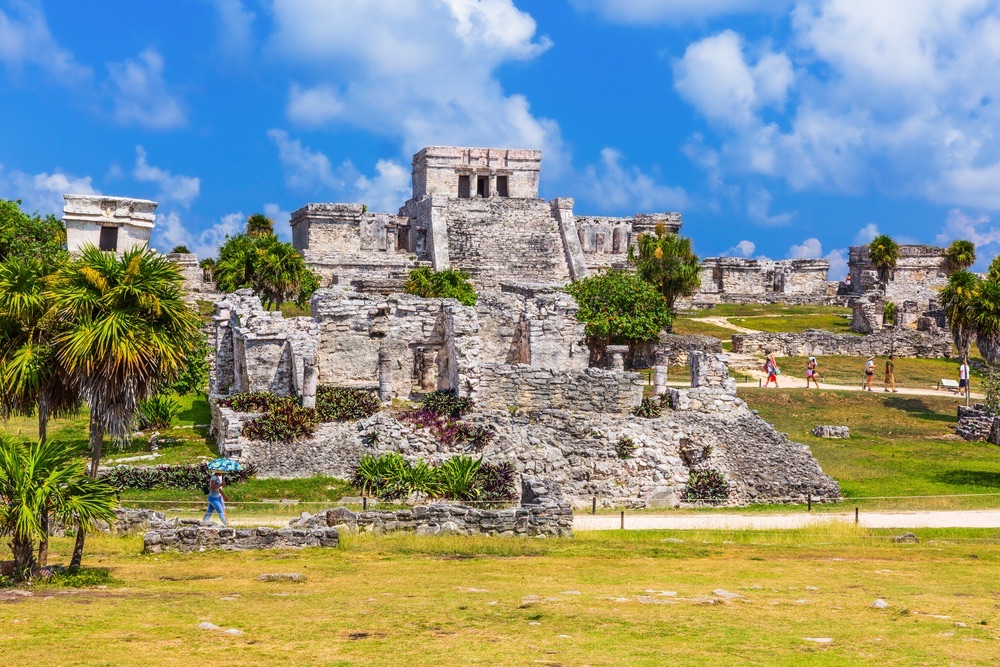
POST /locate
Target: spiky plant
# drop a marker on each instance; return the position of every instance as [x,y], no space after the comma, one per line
[961,254]
[958,298]
[667,261]
[884,253]
[259,224]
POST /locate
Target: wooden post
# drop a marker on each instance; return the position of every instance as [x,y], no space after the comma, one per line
[593,505]
[856,520]
[364,502]
[623,520]
[809,500]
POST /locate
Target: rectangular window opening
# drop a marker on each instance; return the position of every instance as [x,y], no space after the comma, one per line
[464,187]
[483,186]
[109,239]
[502,188]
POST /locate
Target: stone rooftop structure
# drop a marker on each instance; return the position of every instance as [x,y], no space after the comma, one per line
[115,224]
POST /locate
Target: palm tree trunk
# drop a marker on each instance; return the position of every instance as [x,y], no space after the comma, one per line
[43,419]
[96,442]
[24,556]
[43,544]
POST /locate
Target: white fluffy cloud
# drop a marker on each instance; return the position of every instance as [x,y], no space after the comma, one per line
[895,93]
[282,221]
[742,249]
[172,189]
[364,63]
[675,11]
[812,249]
[235,39]
[170,231]
[759,209]
[25,41]
[808,249]
[975,228]
[613,186]
[312,171]
[43,192]
[140,95]
[866,234]
[838,264]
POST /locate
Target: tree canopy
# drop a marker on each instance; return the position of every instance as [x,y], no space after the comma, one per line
[666,261]
[884,253]
[30,236]
[961,254]
[447,284]
[620,307]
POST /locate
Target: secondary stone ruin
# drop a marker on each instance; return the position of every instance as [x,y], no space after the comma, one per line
[899,342]
[113,224]
[521,355]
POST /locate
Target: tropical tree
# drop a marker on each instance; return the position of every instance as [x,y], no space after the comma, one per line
[620,307]
[986,315]
[273,269]
[961,254]
[125,332]
[884,253]
[24,235]
[43,478]
[207,266]
[180,250]
[958,298]
[993,272]
[446,284]
[259,224]
[666,260]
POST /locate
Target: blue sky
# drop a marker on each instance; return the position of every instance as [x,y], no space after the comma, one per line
[778,128]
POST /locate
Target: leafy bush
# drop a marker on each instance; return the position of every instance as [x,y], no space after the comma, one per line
[194,376]
[253,401]
[285,423]
[706,484]
[619,306]
[180,250]
[169,477]
[157,413]
[447,284]
[391,477]
[340,404]
[447,403]
[625,447]
[649,408]
[889,313]
[448,430]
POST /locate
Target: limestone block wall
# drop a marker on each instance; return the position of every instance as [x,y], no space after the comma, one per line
[85,215]
[436,170]
[218,538]
[605,241]
[730,279]
[672,350]
[921,271]
[902,343]
[529,388]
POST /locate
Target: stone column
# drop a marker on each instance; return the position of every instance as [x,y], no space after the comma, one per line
[310,380]
[617,353]
[384,375]
[659,380]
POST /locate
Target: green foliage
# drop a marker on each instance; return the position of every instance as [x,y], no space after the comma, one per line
[961,254]
[84,577]
[958,298]
[625,447]
[884,253]
[986,315]
[187,477]
[273,269]
[391,477]
[993,272]
[259,224]
[649,408]
[706,484]
[180,250]
[889,313]
[194,375]
[157,413]
[447,403]
[30,236]
[380,476]
[253,401]
[447,284]
[340,404]
[286,422]
[619,306]
[43,479]
[458,477]
[667,262]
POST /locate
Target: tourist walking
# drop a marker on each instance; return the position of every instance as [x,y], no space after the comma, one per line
[216,501]
[869,373]
[811,372]
[890,378]
[772,370]
[963,377]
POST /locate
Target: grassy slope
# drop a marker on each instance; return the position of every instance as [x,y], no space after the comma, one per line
[683,325]
[795,323]
[916,373]
[898,446]
[403,600]
[765,309]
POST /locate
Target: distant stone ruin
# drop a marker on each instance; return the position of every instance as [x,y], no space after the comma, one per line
[113,224]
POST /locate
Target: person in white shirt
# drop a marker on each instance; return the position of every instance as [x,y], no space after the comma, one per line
[963,375]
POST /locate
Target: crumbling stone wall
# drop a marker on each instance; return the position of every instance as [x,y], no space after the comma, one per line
[902,343]
[605,241]
[921,271]
[975,422]
[672,350]
[739,280]
[529,388]
[543,513]
[219,538]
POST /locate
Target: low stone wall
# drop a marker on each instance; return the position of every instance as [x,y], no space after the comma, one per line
[974,422]
[543,513]
[127,521]
[530,388]
[672,350]
[216,538]
[904,343]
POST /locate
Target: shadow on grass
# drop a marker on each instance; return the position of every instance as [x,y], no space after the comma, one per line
[198,413]
[918,407]
[975,478]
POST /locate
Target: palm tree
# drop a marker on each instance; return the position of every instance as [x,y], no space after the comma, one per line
[44,477]
[237,263]
[125,334]
[280,273]
[667,261]
[259,224]
[884,253]
[958,298]
[961,254]
[986,314]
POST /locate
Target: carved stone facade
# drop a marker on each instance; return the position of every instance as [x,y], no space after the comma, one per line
[115,224]
[739,280]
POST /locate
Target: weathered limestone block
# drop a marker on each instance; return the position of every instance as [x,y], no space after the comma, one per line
[832,432]
[216,538]
[902,343]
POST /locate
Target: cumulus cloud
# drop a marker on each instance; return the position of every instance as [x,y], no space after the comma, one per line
[642,12]
[170,231]
[43,192]
[808,249]
[235,39]
[26,42]
[866,234]
[140,94]
[742,249]
[363,64]
[312,171]
[174,189]
[612,185]
[282,221]
[838,264]
[759,207]
[976,228]
[811,248]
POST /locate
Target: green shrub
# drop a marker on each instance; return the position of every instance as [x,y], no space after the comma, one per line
[125,478]
[285,423]
[158,413]
[706,484]
[447,403]
[181,250]
[381,476]
[253,401]
[447,284]
[625,447]
[391,477]
[458,477]
[340,404]
[649,408]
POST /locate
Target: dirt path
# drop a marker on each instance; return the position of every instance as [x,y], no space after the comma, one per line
[723,322]
[939,519]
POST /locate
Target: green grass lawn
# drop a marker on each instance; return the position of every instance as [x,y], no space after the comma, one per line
[765,309]
[795,323]
[628,598]
[899,445]
[916,373]
[684,325]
